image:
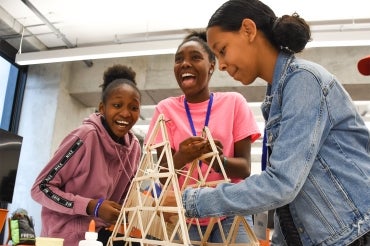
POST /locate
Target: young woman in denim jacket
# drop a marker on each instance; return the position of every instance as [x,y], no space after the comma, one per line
[318,172]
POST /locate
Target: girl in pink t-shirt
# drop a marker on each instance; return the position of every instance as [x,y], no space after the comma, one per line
[226,114]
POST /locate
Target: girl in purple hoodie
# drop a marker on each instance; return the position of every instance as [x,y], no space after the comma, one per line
[90,173]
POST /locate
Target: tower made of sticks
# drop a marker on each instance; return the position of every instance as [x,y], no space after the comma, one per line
[142,217]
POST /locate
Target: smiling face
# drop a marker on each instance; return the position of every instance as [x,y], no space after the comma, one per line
[193,71]
[121,109]
[235,52]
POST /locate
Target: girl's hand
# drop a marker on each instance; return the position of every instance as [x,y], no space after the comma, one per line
[208,149]
[169,200]
[108,210]
[189,150]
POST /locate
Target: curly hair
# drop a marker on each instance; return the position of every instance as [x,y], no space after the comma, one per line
[118,71]
[115,76]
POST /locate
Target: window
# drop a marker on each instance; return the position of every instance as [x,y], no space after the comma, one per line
[12,83]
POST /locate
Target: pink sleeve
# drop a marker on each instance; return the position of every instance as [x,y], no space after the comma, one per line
[152,125]
[244,120]
[61,177]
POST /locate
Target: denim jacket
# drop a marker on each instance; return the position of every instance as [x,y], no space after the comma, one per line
[319,161]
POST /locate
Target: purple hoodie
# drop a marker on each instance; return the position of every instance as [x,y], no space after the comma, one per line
[88,164]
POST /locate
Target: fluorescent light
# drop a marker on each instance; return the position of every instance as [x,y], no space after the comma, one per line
[330,36]
[99,52]
[340,34]
[342,43]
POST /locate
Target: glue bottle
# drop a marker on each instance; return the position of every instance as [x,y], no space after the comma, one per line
[91,237]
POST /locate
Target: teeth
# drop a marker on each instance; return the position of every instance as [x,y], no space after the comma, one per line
[122,122]
[187,75]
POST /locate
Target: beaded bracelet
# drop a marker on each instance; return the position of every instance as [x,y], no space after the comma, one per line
[97,206]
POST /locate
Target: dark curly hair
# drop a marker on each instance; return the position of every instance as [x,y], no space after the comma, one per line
[115,76]
[289,32]
[118,71]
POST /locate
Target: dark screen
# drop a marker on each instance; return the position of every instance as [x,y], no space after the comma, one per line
[10,148]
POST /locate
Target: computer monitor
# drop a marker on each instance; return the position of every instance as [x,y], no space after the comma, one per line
[10,149]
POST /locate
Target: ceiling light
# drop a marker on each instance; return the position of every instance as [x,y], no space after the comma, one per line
[324,34]
[98,52]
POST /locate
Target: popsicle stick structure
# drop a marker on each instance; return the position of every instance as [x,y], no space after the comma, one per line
[142,215]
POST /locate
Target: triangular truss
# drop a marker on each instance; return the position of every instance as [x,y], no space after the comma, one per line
[142,216]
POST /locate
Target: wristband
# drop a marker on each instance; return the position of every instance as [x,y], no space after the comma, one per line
[224,163]
[97,206]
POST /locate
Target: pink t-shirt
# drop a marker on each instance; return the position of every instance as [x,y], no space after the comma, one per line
[231,120]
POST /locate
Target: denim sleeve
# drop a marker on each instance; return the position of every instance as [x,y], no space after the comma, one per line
[296,132]
[189,199]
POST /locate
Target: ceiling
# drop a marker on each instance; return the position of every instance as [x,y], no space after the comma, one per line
[35,27]
[39,25]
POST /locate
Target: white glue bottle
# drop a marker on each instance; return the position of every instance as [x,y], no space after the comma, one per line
[91,237]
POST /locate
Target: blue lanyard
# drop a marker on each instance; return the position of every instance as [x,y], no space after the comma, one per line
[191,119]
[188,114]
[264,151]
